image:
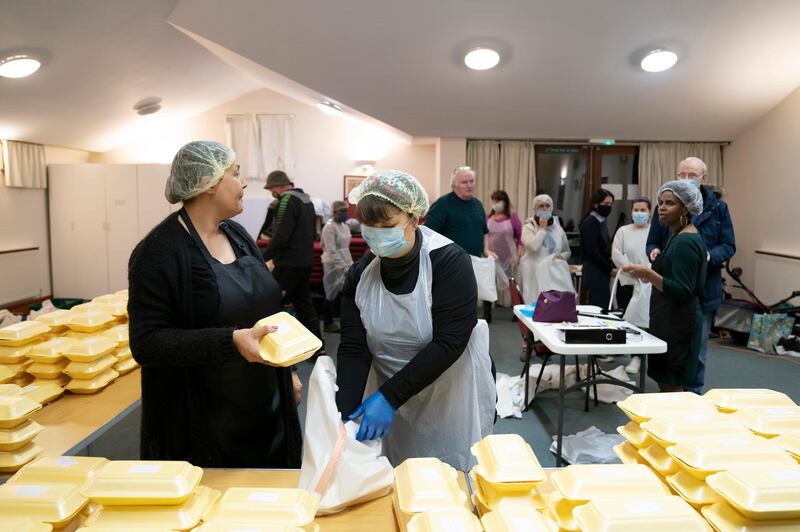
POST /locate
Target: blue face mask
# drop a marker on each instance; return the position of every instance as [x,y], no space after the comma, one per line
[385,241]
[546,214]
[694,182]
[342,216]
[640,217]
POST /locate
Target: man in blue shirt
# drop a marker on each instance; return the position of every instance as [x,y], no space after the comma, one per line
[714,224]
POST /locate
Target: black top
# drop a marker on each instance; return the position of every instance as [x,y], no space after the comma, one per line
[454,315]
[294,232]
[596,243]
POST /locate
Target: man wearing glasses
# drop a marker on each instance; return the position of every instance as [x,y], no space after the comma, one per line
[715,226]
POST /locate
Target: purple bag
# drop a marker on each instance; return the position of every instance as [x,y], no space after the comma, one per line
[555,306]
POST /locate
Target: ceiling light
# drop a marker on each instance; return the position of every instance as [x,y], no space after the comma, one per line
[330,108]
[147,106]
[659,60]
[18,66]
[482,59]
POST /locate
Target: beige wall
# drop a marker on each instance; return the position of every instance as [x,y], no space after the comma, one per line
[23,214]
[762,177]
[451,153]
[326,147]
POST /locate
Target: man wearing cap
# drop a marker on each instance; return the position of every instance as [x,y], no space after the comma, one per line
[291,250]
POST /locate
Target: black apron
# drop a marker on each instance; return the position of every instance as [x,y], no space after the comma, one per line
[242,414]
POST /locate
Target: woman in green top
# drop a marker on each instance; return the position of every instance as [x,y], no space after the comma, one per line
[678,276]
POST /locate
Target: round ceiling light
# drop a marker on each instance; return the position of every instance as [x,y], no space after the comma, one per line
[18,66]
[147,106]
[482,59]
[659,60]
[330,108]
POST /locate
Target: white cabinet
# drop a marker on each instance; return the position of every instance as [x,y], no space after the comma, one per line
[98,213]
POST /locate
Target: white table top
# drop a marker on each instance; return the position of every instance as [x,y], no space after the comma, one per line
[547,333]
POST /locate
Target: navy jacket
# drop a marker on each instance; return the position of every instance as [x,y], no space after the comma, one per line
[716,227]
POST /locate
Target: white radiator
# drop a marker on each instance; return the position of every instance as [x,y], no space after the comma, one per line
[776,275]
[20,273]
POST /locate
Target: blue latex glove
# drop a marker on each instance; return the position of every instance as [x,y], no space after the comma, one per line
[378,415]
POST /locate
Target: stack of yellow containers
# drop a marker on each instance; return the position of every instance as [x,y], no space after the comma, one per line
[147,494]
[422,485]
[16,341]
[91,362]
[263,509]
[58,505]
[17,430]
[122,354]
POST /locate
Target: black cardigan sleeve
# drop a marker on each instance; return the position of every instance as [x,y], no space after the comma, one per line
[159,306]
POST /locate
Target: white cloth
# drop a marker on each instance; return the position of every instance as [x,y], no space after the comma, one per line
[629,248]
[485,277]
[540,268]
[336,257]
[457,409]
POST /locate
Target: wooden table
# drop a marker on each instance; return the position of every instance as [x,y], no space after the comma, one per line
[373,516]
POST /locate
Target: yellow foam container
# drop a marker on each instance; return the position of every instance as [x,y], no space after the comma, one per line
[25,525]
[89,370]
[108,298]
[445,519]
[761,493]
[422,484]
[43,392]
[282,506]
[789,442]
[122,293]
[125,366]
[143,483]
[494,500]
[118,308]
[657,458]
[695,492]
[640,407]
[480,506]
[56,504]
[6,375]
[19,367]
[61,381]
[583,482]
[701,457]
[127,528]
[15,438]
[85,308]
[117,333]
[561,510]
[51,351]
[219,526]
[89,322]
[90,349]
[178,517]
[11,461]
[60,470]
[15,409]
[47,370]
[669,429]
[23,379]
[22,333]
[628,454]
[123,352]
[290,344]
[634,434]
[770,421]
[56,320]
[732,399]
[507,463]
[93,385]
[12,355]
[514,520]
[725,519]
[653,514]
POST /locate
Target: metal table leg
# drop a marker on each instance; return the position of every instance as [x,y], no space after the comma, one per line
[561,394]
[642,373]
[526,367]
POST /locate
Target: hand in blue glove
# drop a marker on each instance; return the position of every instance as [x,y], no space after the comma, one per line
[378,415]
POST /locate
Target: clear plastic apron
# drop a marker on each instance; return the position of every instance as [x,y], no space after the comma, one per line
[457,409]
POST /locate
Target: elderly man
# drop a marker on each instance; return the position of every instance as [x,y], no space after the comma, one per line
[715,226]
[460,216]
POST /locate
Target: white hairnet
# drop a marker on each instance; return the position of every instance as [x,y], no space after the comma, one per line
[540,200]
[197,167]
[687,193]
[398,188]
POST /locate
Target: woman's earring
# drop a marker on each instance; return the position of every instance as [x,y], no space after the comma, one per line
[684,220]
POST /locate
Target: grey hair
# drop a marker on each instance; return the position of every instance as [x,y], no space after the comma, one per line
[461,170]
[698,161]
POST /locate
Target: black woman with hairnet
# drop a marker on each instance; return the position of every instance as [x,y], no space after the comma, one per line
[413,363]
[678,277]
[197,286]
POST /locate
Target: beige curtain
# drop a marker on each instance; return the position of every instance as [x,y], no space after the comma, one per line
[508,165]
[658,162]
[24,165]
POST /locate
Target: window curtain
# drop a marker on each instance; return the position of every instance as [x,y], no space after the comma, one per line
[241,133]
[277,142]
[658,163]
[504,165]
[24,165]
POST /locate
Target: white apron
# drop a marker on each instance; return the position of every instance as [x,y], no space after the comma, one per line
[457,409]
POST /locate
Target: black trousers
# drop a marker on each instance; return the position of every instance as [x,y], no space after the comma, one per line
[294,283]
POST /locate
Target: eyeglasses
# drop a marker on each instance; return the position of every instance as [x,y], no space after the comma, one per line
[688,175]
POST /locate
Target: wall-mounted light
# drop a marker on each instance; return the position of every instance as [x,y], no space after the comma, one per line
[482,59]
[18,66]
[330,108]
[659,60]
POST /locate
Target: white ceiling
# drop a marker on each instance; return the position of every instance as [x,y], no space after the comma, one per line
[568,68]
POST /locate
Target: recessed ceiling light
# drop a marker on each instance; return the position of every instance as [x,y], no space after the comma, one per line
[147,106]
[18,66]
[482,59]
[330,108]
[659,60]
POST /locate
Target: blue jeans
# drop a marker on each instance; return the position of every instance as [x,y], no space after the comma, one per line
[708,321]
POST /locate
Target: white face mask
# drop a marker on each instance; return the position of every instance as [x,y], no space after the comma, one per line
[499,206]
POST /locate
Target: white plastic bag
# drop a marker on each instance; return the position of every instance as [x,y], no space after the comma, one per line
[590,446]
[485,277]
[7,318]
[47,307]
[638,311]
[344,471]
[510,395]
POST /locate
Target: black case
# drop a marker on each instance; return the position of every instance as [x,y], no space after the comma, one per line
[593,335]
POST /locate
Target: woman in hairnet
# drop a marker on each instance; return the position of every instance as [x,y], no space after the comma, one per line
[678,277]
[413,362]
[197,286]
[544,263]
[336,260]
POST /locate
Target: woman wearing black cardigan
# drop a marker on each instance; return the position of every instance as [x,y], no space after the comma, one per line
[197,286]
[596,249]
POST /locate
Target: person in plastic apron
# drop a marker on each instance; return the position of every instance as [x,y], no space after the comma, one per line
[446,417]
